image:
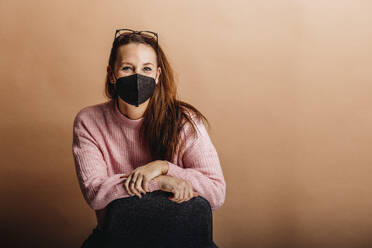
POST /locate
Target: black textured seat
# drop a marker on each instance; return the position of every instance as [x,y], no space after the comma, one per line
[157,222]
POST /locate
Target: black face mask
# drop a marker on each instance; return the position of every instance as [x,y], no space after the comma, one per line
[135,89]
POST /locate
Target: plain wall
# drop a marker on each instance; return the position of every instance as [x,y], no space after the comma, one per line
[286,86]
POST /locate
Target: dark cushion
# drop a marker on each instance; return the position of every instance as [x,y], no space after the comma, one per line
[155,221]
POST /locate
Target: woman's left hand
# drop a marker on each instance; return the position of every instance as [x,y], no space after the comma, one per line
[142,175]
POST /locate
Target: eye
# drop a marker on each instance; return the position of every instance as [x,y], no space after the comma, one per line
[125,68]
[148,68]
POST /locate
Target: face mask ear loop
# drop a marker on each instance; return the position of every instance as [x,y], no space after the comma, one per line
[115,80]
[114,76]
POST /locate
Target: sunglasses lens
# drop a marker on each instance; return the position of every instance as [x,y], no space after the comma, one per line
[123,32]
[148,34]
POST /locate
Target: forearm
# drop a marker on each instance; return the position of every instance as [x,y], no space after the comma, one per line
[208,182]
[163,164]
[159,179]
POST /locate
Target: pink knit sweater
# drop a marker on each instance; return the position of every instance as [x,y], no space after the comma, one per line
[106,145]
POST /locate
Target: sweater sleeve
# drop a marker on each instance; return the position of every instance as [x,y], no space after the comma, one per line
[202,168]
[98,188]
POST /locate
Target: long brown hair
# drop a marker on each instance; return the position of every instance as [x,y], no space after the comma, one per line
[165,115]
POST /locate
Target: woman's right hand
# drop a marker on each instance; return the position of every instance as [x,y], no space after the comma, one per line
[182,189]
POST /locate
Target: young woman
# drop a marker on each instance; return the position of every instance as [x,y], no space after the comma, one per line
[143,140]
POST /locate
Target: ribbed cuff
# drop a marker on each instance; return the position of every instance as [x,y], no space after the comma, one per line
[175,170]
[153,185]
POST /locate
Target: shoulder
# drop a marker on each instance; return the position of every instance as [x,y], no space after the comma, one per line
[196,141]
[92,113]
[194,128]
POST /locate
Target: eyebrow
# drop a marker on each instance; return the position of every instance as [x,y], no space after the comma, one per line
[148,63]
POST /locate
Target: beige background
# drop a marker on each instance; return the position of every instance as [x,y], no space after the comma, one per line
[286,86]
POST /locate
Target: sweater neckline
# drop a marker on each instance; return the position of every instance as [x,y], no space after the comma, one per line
[132,123]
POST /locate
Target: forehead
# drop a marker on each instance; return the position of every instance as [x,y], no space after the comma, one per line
[136,53]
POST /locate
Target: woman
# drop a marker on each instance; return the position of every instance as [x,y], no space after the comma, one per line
[143,141]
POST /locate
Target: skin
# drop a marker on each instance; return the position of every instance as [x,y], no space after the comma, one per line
[131,59]
[141,58]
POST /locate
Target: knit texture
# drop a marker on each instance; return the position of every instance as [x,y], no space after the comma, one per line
[163,223]
[106,145]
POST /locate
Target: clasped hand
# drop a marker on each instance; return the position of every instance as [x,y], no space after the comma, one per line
[137,180]
[182,189]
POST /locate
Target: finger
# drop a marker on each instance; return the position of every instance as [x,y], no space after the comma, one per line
[175,196]
[189,194]
[123,176]
[132,185]
[175,200]
[133,189]
[139,184]
[195,194]
[134,176]
[181,196]
[186,194]
[126,184]
[191,191]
